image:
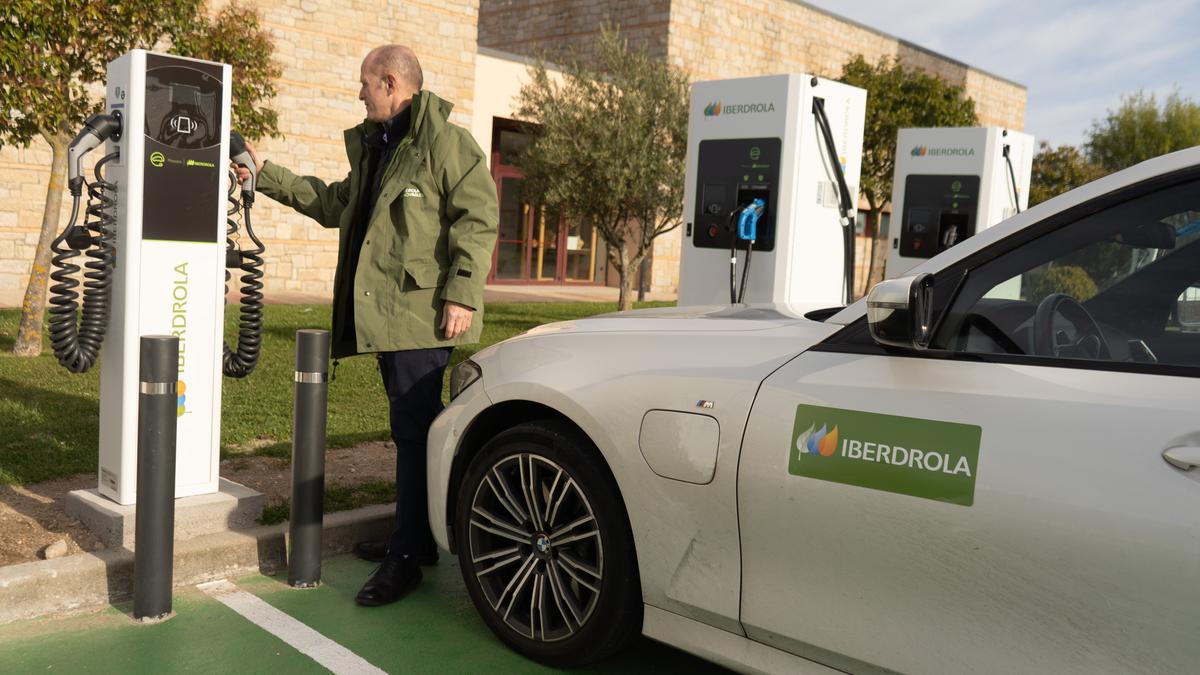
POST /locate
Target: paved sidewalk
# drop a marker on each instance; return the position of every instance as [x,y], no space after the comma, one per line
[434,630]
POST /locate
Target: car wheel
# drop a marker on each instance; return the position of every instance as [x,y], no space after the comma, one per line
[545,546]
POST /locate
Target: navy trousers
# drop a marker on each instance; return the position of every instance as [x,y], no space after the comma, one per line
[413,381]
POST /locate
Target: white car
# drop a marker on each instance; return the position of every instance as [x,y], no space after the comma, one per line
[987,466]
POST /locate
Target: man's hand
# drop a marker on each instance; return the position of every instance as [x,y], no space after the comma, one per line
[456,319]
[242,172]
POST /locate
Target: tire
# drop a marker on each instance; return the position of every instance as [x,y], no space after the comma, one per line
[556,581]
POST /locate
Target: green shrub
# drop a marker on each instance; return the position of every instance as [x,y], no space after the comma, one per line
[1067,279]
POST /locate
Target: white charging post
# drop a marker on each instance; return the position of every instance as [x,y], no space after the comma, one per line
[951,183]
[758,138]
[172,179]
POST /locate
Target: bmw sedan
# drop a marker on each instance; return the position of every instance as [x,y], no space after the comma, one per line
[986,466]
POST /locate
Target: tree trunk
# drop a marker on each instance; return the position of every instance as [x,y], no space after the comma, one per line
[643,268]
[33,308]
[879,255]
[874,216]
[625,276]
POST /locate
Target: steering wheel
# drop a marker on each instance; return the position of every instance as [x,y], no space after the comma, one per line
[1090,343]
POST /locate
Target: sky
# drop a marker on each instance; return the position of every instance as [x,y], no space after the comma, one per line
[1075,57]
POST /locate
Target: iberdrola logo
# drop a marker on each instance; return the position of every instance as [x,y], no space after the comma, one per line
[815,441]
[920,151]
[712,109]
[181,401]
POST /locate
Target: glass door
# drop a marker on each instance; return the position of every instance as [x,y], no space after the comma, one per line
[511,261]
[582,246]
[546,246]
[536,244]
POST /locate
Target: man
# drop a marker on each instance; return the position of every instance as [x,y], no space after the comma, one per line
[418,217]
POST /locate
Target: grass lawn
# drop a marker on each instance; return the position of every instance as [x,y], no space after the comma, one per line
[51,417]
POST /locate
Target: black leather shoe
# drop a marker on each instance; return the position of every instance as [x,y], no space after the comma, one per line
[392,581]
[376,551]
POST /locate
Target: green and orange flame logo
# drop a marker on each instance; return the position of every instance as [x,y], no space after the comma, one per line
[823,441]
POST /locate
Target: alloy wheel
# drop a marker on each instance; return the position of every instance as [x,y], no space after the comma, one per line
[535,547]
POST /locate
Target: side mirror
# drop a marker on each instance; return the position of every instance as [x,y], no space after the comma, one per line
[900,312]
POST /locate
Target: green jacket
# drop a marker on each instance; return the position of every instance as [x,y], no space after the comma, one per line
[429,239]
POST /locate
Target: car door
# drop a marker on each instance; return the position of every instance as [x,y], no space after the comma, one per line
[1000,503]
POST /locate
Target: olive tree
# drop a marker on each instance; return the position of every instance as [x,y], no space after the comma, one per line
[608,146]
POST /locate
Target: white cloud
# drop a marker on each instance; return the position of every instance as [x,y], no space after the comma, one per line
[1077,58]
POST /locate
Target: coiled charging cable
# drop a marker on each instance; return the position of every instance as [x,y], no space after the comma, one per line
[75,336]
[239,362]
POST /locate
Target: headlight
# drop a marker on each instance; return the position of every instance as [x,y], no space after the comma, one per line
[463,376]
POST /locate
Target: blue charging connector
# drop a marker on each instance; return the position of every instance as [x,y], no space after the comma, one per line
[748,220]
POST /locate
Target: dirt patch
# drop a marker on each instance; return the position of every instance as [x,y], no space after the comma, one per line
[34,516]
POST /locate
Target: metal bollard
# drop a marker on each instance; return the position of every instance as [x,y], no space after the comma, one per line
[154,545]
[308,457]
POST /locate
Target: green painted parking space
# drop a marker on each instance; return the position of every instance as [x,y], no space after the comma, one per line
[203,637]
[434,629]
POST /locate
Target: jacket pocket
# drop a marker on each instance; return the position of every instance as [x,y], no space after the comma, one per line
[424,274]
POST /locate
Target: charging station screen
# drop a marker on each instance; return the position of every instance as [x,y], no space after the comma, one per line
[732,173]
[939,213]
[183,150]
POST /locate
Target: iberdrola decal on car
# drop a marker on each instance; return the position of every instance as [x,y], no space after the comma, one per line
[906,455]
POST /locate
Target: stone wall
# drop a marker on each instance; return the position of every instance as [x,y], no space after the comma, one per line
[551,27]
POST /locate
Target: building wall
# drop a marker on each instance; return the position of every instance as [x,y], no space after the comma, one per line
[550,28]
[499,77]
[319,45]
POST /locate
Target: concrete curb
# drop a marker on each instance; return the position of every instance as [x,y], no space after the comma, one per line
[89,580]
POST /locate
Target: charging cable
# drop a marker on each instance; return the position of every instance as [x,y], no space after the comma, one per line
[729,227]
[1013,178]
[76,336]
[748,232]
[240,361]
[845,204]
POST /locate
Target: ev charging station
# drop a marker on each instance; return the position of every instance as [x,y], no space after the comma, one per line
[170,243]
[951,183]
[161,227]
[759,151]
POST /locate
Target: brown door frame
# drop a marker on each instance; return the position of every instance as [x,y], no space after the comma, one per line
[499,173]
[528,222]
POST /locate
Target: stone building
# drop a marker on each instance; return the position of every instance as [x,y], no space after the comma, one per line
[475,54]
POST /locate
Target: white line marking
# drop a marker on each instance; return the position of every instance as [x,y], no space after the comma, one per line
[308,641]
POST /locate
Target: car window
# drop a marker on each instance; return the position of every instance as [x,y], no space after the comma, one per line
[1120,285]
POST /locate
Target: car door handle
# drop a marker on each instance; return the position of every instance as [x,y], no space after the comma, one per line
[1185,457]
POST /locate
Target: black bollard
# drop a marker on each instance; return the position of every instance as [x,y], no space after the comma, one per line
[154,544]
[308,457]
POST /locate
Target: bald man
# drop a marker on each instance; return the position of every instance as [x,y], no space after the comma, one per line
[417,220]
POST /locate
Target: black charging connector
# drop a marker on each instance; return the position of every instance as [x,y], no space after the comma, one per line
[79,239]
